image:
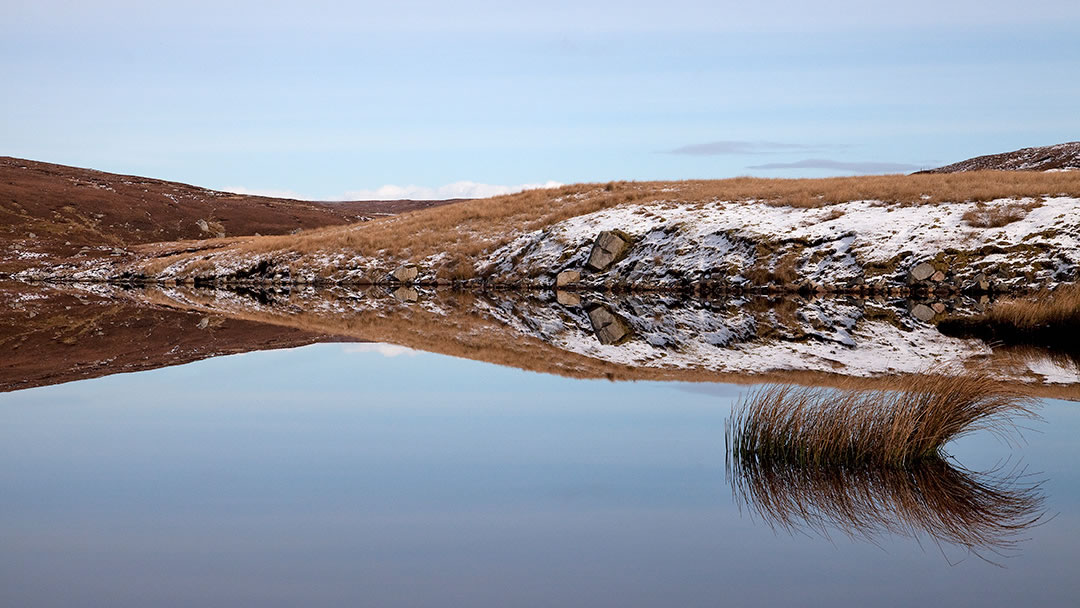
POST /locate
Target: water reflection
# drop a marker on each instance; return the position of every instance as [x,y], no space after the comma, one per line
[331,475]
[985,513]
[56,335]
[623,336]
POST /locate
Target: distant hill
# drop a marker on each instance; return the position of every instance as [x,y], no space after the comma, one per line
[59,210]
[1062,157]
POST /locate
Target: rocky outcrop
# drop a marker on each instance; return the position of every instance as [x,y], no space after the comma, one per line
[713,248]
[567,278]
[405,274]
[922,272]
[610,246]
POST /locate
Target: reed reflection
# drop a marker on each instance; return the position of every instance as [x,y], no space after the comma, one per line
[871,463]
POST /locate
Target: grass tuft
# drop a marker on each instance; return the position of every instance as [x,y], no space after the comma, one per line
[884,428]
[983,216]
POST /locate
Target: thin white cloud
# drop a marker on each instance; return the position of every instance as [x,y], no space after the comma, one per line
[386,350]
[840,165]
[391,192]
[462,189]
[735,147]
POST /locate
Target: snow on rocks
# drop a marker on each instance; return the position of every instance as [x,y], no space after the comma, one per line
[834,336]
[741,243]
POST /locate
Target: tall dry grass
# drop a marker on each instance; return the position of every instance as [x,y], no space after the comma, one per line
[885,428]
[982,512]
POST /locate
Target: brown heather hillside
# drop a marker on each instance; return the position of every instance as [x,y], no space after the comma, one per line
[57,210]
[1060,157]
[466,229]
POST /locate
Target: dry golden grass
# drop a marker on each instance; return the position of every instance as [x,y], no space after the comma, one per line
[1000,215]
[1051,319]
[980,512]
[466,229]
[888,428]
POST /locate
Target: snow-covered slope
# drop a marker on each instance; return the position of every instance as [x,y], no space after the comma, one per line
[847,244]
[713,246]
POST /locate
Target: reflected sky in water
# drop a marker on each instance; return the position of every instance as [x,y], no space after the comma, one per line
[342,474]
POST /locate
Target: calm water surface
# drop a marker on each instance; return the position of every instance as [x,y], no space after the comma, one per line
[341,474]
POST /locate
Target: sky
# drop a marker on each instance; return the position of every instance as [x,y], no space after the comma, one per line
[425,99]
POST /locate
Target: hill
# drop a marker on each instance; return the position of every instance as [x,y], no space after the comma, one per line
[1062,157]
[49,211]
[975,231]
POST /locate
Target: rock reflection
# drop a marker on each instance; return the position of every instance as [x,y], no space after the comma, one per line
[641,336]
[985,513]
[608,327]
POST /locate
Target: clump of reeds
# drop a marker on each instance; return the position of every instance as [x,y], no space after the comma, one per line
[885,428]
[1048,319]
[982,512]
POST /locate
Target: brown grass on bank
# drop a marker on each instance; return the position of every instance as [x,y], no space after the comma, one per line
[463,230]
[980,512]
[984,216]
[1048,319]
[887,428]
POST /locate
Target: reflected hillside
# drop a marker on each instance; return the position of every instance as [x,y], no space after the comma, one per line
[619,337]
[51,336]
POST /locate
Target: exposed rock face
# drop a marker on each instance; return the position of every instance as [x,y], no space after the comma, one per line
[567,277]
[922,272]
[607,326]
[405,274]
[607,250]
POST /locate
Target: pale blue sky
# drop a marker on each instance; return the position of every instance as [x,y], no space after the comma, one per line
[327,98]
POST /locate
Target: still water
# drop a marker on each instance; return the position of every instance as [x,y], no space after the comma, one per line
[362,474]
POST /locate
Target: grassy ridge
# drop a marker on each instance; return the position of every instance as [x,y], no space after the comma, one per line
[464,230]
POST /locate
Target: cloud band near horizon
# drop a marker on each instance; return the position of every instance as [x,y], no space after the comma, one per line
[736,147]
[393,192]
[840,165]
